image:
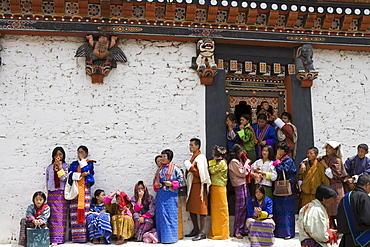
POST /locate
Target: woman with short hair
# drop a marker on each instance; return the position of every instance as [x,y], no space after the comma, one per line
[168,178]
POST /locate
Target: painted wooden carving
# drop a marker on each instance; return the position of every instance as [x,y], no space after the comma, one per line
[206,66]
[304,65]
[101,56]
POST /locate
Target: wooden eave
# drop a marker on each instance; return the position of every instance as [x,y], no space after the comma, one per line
[230,30]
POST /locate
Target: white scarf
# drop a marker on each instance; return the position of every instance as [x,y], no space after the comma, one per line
[202,164]
[335,145]
[82,163]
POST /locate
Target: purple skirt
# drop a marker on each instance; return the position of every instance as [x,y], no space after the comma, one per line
[241,210]
[58,216]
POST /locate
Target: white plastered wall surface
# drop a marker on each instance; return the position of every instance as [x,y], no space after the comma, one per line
[152,102]
[341,100]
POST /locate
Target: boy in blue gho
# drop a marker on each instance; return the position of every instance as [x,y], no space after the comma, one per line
[356,166]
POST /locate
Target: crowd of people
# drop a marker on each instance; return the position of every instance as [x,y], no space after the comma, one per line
[256,157]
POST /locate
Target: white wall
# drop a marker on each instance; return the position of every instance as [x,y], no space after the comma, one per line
[153,102]
[340,99]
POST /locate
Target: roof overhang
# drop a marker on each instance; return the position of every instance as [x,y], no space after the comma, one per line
[324,24]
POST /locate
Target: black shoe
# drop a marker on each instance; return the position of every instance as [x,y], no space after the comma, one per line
[200,236]
[192,234]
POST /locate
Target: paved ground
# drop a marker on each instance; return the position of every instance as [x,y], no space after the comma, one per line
[187,242]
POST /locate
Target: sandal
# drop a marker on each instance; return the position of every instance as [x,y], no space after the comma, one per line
[101,240]
[95,241]
[238,236]
[120,241]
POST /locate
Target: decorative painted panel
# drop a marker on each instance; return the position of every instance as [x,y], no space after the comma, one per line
[280,22]
[94,9]
[299,22]
[253,102]
[116,10]
[221,16]
[354,25]
[335,25]
[138,11]
[201,15]
[71,8]
[180,14]
[26,6]
[48,7]
[261,19]
[317,23]
[4,5]
[160,12]
[241,18]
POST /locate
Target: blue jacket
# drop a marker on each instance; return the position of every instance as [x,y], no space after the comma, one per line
[90,167]
[270,135]
[236,140]
[289,168]
[356,166]
[267,205]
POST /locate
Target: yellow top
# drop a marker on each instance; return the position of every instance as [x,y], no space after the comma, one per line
[218,171]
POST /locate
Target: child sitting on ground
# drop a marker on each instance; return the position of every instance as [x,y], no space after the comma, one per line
[37,214]
[122,222]
[98,220]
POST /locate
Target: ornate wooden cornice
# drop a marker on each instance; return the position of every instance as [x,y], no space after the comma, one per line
[334,24]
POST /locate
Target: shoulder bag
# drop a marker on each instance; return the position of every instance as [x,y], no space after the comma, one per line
[71,191]
[283,187]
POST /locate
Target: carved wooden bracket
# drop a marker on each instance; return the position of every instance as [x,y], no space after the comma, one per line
[307,78]
[305,70]
[206,75]
[206,66]
[101,56]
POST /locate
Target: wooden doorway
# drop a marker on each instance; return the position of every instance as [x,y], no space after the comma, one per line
[240,101]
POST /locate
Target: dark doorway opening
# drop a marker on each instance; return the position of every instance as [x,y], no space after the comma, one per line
[242,108]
